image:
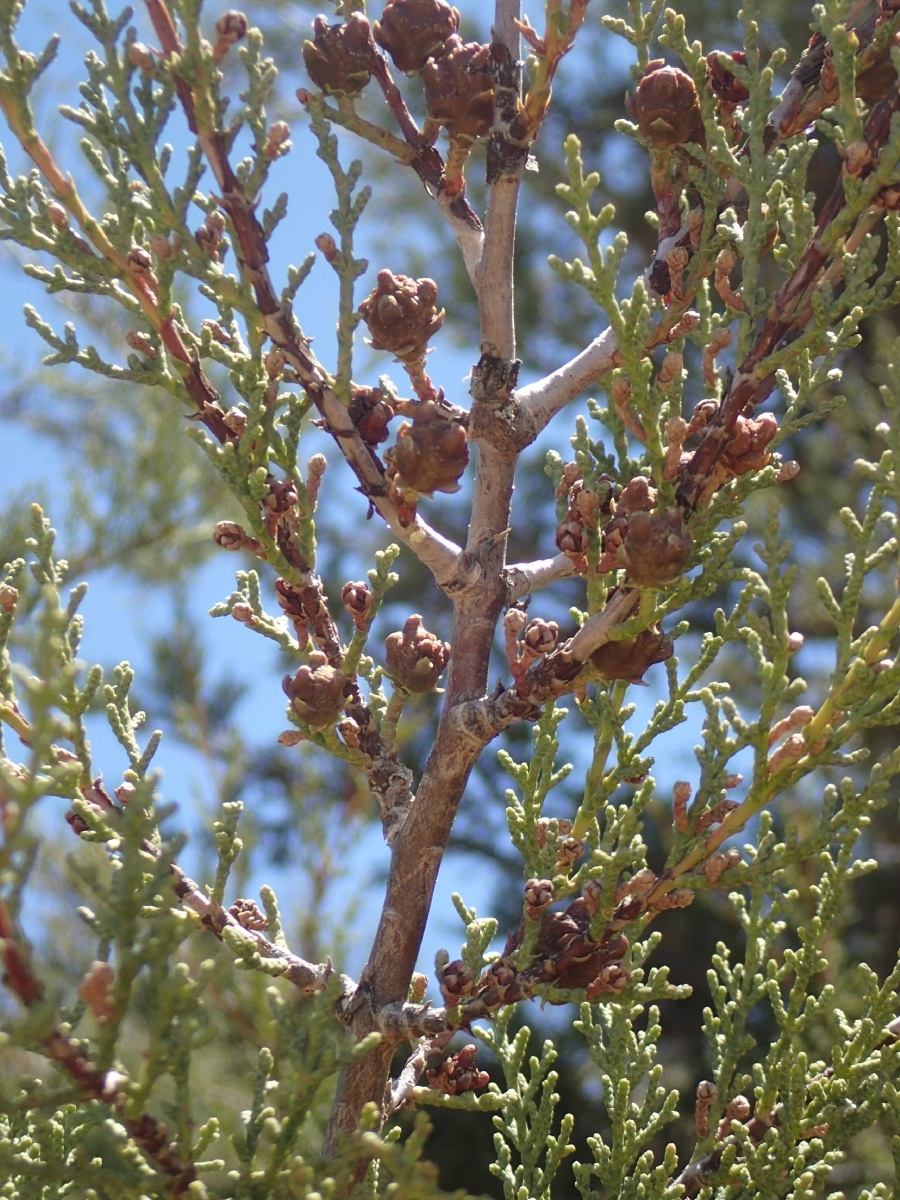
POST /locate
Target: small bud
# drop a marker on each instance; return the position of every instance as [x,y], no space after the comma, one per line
[538,897]
[249,915]
[231,536]
[571,536]
[681,794]
[670,369]
[857,156]
[139,261]
[57,215]
[458,1074]
[569,852]
[592,894]
[706,1096]
[236,421]
[9,598]
[357,600]
[636,496]
[141,343]
[796,719]
[278,139]
[243,613]
[456,981]
[230,28]
[720,862]
[641,884]
[500,973]
[679,898]
[371,414]
[541,636]
[125,793]
[161,246]
[349,732]
[96,991]
[612,978]
[747,448]
[413,31]
[415,658]
[291,737]
[738,1109]
[725,86]
[790,750]
[274,362]
[209,235]
[327,246]
[418,985]
[141,56]
[787,471]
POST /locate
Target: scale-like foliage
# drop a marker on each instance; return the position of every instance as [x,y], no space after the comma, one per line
[189,1018]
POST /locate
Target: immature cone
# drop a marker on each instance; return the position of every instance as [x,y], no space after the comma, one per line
[655,548]
[357,599]
[538,897]
[412,31]
[629,658]
[723,85]
[747,448]
[458,1074]
[459,91]
[402,316]
[666,107]
[316,691]
[370,414]
[431,454]
[340,57]
[230,28]
[456,982]
[415,658]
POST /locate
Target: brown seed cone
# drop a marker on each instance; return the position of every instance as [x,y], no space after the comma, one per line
[431,454]
[655,548]
[340,57]
[459,90]
[413,31]
[667,108]
[402,316]
[747,448]
[415,658]
[629,658]
[316,691]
